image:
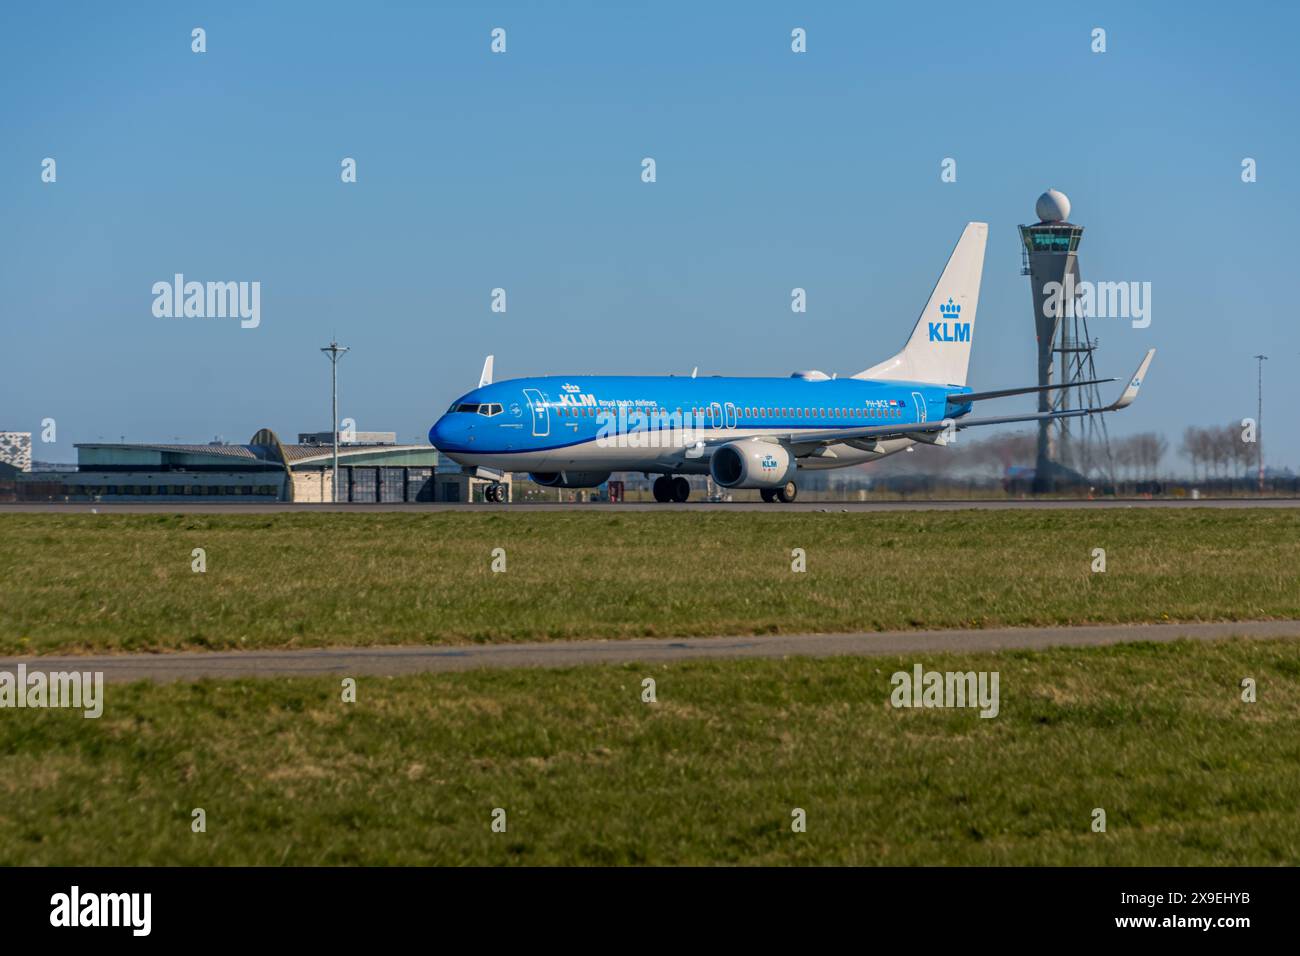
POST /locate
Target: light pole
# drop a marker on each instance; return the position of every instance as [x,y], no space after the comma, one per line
[334,352]
[1259,420]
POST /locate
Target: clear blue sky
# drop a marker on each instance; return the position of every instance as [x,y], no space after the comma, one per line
[522,170]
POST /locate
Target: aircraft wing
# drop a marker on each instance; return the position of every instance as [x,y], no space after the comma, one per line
[962,398]
[923,431]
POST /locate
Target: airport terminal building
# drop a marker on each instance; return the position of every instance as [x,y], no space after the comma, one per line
[373,468]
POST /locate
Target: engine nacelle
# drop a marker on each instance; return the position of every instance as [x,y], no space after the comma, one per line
[752,464]
[569,479]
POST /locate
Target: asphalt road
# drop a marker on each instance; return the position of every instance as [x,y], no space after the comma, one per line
[394,661]
[536,507]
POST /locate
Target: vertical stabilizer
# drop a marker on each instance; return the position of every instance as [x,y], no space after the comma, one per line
[939,348]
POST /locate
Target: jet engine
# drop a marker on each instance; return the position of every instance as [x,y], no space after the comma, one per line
[569,479]
[752,464]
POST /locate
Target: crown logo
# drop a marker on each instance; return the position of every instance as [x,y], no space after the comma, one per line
[948,310]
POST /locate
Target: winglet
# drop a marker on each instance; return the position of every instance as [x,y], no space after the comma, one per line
[486,377]
[1135,383]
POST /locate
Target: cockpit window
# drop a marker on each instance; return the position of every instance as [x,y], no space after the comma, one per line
[473,408]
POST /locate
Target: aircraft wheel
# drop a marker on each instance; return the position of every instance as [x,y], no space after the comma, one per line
[663,488]
[788,493]
[681,489]
[767,494]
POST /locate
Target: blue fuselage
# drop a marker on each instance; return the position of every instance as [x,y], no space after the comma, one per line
[618,423]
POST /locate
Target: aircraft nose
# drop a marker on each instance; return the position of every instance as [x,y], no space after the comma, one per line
[453,432]
[440,436]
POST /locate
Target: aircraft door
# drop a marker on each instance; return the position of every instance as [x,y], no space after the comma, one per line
[715,415]
[730,416]
[541,412]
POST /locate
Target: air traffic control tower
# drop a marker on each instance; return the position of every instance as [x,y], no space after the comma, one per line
[1050,255]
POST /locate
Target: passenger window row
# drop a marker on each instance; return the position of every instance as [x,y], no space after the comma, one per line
[589,411]
[859,413]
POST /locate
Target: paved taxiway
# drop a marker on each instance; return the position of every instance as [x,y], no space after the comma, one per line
[393,661]
[980,504]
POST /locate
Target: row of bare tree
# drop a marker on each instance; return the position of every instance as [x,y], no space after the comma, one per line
[1220,450]
[1135,457]
[1214,452]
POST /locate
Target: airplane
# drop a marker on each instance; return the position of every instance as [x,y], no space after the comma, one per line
[753,433]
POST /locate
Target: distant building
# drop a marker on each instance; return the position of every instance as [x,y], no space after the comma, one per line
[347,438]
[373,468]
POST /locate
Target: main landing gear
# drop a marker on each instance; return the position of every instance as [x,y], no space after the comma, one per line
[668,488]
[784,494]
[495,493]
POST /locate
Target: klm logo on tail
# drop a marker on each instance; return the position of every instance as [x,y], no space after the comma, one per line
[949,330]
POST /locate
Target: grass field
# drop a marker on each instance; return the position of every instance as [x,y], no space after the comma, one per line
[81,582]
[1156,735]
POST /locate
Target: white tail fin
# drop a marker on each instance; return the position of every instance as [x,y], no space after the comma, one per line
[939,349]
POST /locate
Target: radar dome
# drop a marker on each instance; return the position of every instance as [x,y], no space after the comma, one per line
[1053,206]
